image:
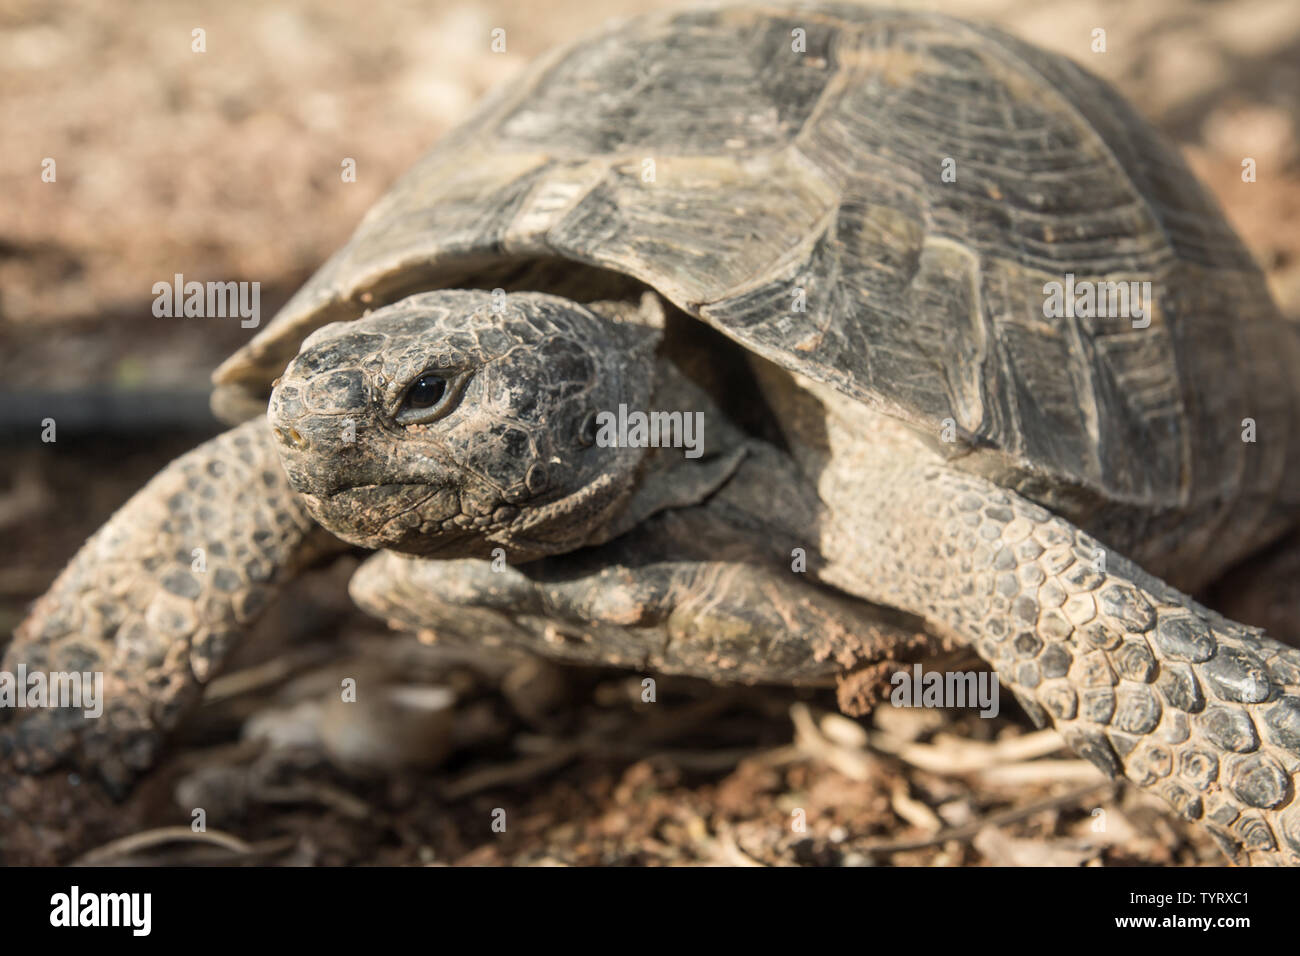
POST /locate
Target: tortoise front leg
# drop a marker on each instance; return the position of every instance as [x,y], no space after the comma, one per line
[1140,679]
[154,601]
[668,597]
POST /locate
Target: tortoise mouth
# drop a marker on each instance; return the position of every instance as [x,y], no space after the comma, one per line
[375,504]
[420,519]
[377,515]
[377,488]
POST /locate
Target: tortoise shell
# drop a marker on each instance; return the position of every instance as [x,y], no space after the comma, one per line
[877,200]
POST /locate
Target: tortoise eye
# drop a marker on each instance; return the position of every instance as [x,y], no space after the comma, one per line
[428,398]
[426,392]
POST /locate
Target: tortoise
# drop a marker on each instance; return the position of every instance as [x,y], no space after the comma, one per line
[829,235]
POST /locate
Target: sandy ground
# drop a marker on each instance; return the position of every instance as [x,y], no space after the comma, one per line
[225,165]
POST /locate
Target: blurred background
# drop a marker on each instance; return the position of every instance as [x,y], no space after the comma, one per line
[225,165]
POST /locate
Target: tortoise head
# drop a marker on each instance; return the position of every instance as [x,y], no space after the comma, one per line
[452,423]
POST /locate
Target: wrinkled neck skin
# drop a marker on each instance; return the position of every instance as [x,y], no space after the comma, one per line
[551,439]
[709,455]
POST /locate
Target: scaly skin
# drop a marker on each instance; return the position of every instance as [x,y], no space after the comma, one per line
[1140,679]
[704,590]
[131,605]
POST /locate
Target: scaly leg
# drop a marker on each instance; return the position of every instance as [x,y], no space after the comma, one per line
[154,601]
[1140,679]
[687,591]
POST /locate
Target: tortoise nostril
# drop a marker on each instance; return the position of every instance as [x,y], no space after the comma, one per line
[290,437]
